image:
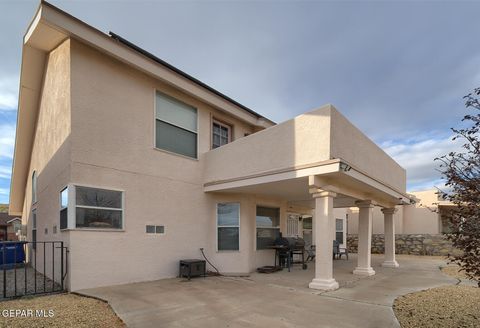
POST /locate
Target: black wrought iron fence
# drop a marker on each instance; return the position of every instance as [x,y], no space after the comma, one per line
[32,267]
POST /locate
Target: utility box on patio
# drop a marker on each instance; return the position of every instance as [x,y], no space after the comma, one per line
[192,268]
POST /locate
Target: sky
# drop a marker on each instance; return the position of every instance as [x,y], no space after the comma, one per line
[397,70]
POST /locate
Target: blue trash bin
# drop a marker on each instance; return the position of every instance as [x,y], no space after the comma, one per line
[14,253]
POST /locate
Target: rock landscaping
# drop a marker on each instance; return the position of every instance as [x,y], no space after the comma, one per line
[441,307]
[421,244]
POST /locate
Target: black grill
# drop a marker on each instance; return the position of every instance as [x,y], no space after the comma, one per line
[287,247]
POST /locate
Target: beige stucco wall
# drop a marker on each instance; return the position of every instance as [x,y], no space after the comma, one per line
[350,144]
[299,141]
[377,220]
[113,147]
[422,216]
[419,218]
[50,156]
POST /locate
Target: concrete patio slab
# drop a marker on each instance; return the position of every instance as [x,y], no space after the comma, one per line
[281,299]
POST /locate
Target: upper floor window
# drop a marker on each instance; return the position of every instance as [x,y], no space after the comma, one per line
[175,126]
[221,134]
[34,187]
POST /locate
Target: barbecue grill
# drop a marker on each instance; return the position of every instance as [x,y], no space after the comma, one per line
[287,247]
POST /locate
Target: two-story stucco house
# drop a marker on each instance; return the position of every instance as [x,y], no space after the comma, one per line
[136,165]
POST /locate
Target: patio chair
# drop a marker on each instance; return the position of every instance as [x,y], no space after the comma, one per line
[339,251]
[310,253]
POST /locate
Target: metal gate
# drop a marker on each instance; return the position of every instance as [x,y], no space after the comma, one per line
[32,267]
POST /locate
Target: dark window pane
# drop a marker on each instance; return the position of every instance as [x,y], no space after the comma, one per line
[64,219]
[34,239]
[228,214]
[339,237]
[175,139]
[93,218]
[266,237]
[228,239]
[159,229]
[307,223]
[98,197]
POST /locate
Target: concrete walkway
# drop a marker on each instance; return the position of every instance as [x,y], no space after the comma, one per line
[281,299]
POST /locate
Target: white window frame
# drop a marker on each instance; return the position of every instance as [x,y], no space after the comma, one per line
[224,125]
[343,231]
[228,226]
[62,208]
[72,206]
[34,228]
[155,92]
[34,182]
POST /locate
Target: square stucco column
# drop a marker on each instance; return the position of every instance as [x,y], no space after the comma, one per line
[365,216]
[389,225]
[324,230]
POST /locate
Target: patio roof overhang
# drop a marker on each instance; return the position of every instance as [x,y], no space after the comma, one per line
[296,158]
[296,185]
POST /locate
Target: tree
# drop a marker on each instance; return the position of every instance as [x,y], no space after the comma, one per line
[461,171]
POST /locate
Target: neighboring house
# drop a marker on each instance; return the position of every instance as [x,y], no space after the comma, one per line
[425,218]
[9,227]
[136,165]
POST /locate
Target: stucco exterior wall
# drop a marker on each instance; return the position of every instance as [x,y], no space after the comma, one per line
[113,148]
[350,144]
[419,218]
[296,142]
[50,156]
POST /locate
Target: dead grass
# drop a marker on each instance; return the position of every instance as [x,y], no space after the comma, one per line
[442,307]
[69,311]
[453,271]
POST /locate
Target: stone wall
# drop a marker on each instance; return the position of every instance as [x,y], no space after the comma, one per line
[418,244]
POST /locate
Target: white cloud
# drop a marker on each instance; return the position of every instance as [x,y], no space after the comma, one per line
[5,172]
[8,93]
[417,157]
[7,140]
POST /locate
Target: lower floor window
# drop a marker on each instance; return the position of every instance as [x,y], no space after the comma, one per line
[268,226]
[228,226]
[89,207]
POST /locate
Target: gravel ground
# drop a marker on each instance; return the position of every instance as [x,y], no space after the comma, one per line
[30,282]
[69,310]
[441,307]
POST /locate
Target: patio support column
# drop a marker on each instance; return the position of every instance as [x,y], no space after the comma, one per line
[389,238]
[365,214]
[324,230]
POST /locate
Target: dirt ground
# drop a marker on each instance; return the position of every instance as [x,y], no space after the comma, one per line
[61,310]
[441,307]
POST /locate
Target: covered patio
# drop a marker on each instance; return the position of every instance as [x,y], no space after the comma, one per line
[281,299]
[320,161]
